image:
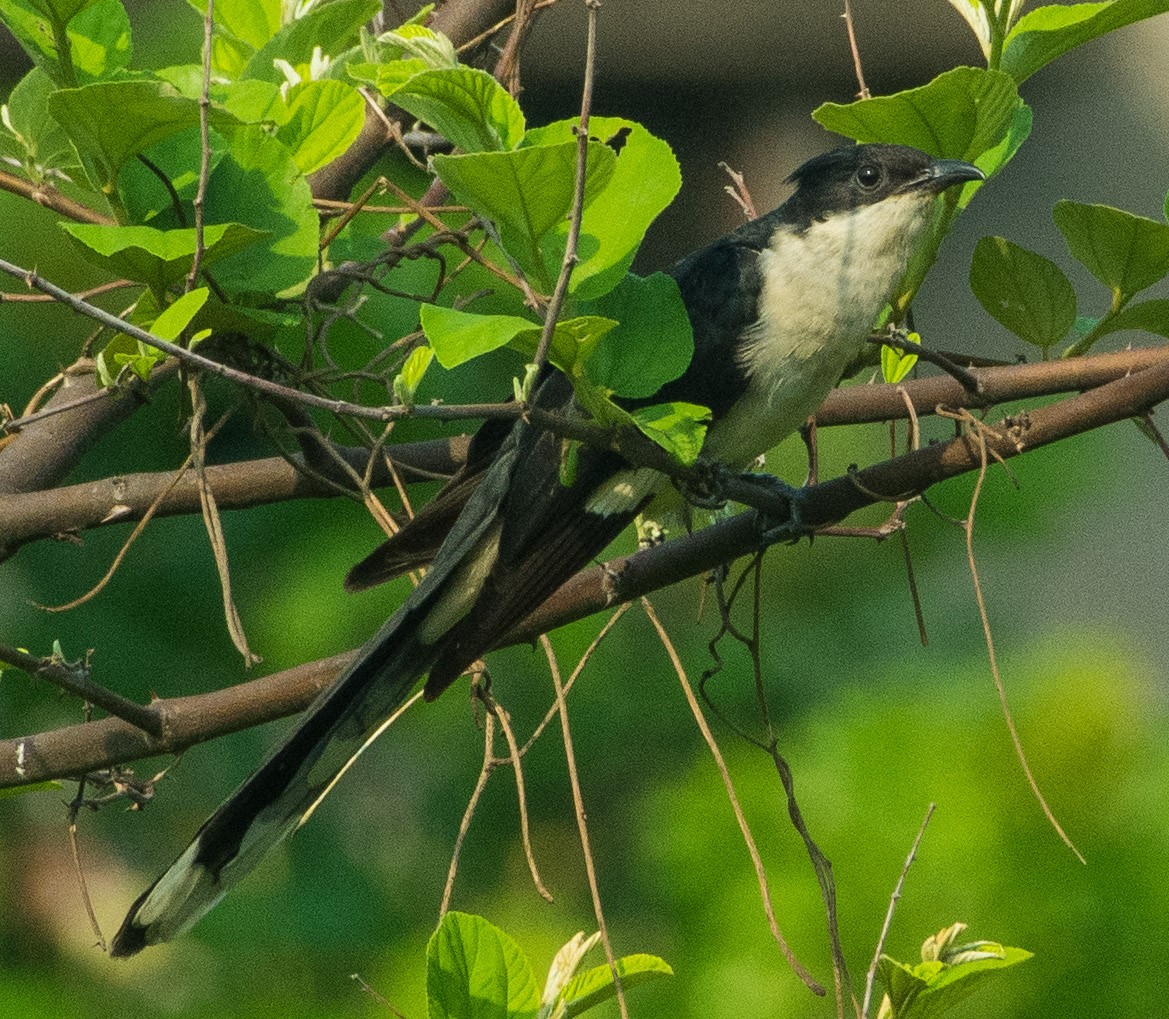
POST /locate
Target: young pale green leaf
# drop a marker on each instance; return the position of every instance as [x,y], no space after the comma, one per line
[933,987]
[596,985]
[458,336]
[406,382]
[241,27]
[331,27]
[475,971]
[526,193]
[42,143]
[961,114]
[178,315]
[896,364]
[679,428]
[975,14]
[157,258]
[122,353]
[467,106]
[324,118]
[416,41]
[251,22]
[653,343]
[1048,32]
[1125,252]
[645,180]
[111,122]
[1027,293]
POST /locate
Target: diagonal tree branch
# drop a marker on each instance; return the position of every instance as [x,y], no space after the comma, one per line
[191,720]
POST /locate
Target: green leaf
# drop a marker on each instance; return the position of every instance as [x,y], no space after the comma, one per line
[389,77]
[1125,252]
[406,382]
[324,118]
[1024,291]
[526,193]
[475,971]
[467,106]
[111,122]
[653,342]
[458,336]
[241,27]
[645,180]
[158,258]
[679,428]
[332,27]
[250,102]
[42,144]
[1147,316]
[930,989]
[177,316]
[40,25]
[99,40]
[258,183]
[895,363]
[1047,32]
[416,41]
[961,114]
[596,985]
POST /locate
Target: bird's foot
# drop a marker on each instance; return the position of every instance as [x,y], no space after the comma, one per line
[706,486]
[783,526]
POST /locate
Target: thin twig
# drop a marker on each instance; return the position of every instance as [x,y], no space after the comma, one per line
[380,999]
[75,679]
[552,313]
[485,771]
[78,869]
[515,757]
[604,632]
[582,823]
[863,92]
[470,44]
[760,872]
[871,975]
[204,146]
[999,686]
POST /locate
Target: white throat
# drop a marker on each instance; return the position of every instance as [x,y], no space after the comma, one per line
[822,291]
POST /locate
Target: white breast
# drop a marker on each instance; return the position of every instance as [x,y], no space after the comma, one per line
[822,290]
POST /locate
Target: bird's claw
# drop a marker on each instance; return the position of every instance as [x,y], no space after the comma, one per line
[790,528]
[704,488]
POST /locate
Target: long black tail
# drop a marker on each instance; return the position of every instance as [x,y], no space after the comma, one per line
[283,791]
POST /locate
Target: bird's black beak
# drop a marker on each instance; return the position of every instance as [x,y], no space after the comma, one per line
[945,173]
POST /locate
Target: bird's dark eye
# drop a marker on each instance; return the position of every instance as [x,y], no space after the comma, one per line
[868,176]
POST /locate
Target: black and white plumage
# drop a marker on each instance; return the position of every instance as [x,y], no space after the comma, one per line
[779,308]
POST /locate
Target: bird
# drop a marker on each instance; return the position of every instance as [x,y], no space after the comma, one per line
[779,308]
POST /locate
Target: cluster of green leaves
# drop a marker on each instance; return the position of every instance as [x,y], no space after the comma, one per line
[947,974]
[1031,296]
[285,103]
[476,971]
[976,114]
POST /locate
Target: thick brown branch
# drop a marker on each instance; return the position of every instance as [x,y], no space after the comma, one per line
[35,515]
[28,516]
[190,720]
